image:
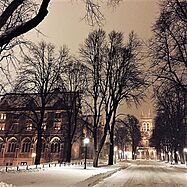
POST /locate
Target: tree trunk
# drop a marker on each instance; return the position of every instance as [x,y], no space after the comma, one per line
[97,153]
[133,150]
[38,147]
[68,152]
[182,157]
[175,157]
[95,159]
[111,147]
[111,154]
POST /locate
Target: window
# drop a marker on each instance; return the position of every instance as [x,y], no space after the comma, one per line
[44,126]
[2,126]
[55,147]
[3,116]
[29,126]
[13,126]
[144,127]
[148,127]
[26,146]
[12,146]
[57,125]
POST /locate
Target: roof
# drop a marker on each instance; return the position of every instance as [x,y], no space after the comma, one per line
[32,101]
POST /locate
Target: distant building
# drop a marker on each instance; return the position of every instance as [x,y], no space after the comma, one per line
[18,132]
[145,151]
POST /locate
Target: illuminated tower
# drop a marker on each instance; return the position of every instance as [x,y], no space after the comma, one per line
[145,151]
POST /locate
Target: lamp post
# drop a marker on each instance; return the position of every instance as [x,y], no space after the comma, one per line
[86,142]
[115,150]
[185,155]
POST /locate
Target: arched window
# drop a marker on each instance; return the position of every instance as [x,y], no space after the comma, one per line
[55,146]
[26,145]
[144,127]
[12,145]
[148,127]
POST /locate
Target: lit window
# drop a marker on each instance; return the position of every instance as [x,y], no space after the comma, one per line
[57,126]
[29,126]
[3,116]
[44,126]
[148,127]
[2,127]
[144,127]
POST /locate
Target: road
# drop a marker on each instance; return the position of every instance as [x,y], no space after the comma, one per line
[147,174]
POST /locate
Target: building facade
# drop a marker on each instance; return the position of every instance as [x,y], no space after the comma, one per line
[145,151]
[18,128]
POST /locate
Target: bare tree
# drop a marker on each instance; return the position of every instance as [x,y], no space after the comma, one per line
[40,74]
[74,78]
[17,17]
[122,135]
[168,46]
[92,54]
[126,81]
[169,132]
[115,77]
[132,124]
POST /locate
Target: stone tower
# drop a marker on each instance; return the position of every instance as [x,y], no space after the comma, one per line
[145,151]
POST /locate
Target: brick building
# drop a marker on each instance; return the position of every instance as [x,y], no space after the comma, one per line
[18,132]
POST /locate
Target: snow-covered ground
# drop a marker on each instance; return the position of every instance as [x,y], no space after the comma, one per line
[123,174]
[64,176]
[148,174]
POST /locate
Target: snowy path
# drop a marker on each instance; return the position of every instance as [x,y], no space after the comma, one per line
[147,174]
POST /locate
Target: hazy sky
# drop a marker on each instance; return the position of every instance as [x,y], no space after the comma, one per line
[63,25]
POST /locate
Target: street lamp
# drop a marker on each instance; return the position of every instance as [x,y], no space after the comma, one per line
[185,154]
[86,142]
[115,150]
